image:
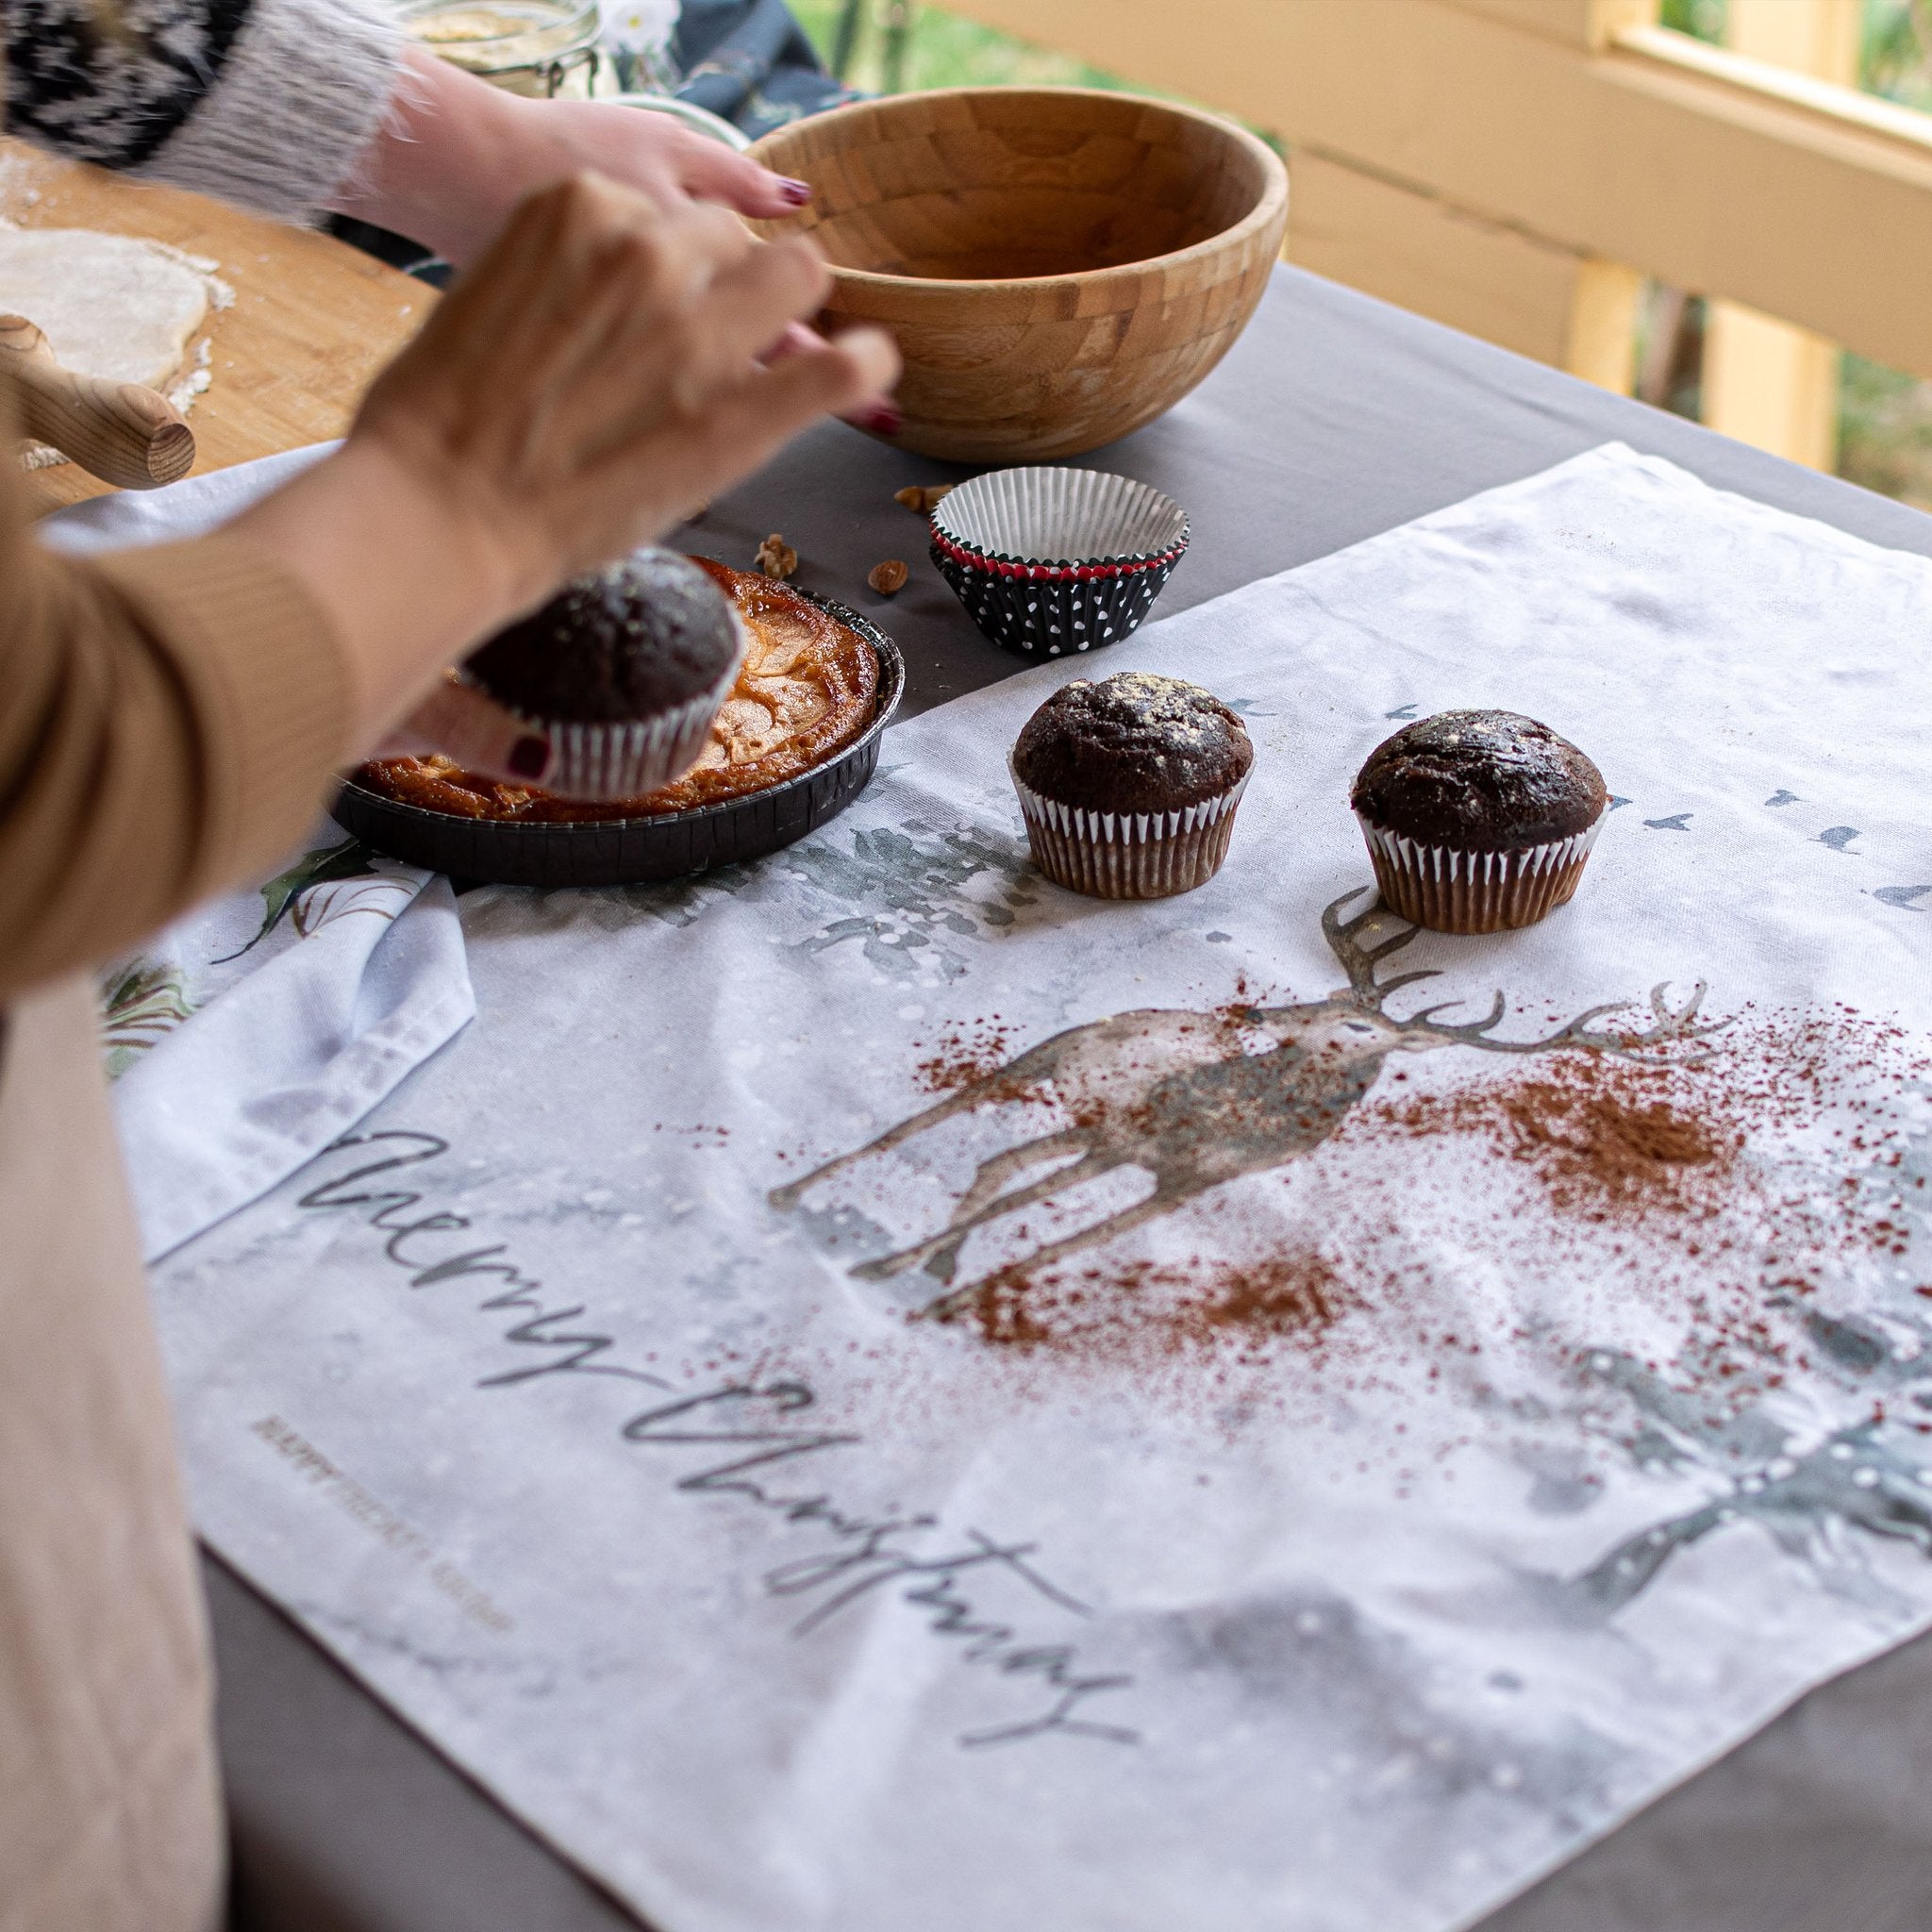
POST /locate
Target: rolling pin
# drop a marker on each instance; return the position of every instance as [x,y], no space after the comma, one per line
[119,431]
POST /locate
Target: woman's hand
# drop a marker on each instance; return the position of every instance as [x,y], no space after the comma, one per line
[596,376]
[457,154]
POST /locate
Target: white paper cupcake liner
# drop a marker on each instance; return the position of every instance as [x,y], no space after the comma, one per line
[1129,855]
[1055,561]
[1474,892]
[1061,518]
[626,760]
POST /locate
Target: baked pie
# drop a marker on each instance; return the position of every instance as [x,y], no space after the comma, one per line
[807,688]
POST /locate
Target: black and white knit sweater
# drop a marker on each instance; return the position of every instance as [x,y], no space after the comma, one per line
[268,103]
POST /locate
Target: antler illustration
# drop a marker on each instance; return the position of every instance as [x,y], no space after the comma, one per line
[1629,1042]
[1359,960]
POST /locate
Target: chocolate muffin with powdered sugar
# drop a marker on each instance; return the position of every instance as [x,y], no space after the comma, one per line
[1128,785]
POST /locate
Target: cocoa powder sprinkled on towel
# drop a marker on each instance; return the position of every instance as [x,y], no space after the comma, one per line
[1610,1139]
[1101,1310]
[967,1051]
[1709,1206]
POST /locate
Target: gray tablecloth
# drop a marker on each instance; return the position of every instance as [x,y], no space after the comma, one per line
[1334,418]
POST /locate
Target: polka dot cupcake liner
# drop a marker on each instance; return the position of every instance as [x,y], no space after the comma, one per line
[1052,562]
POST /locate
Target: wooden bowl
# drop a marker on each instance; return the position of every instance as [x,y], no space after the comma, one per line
[1058,265]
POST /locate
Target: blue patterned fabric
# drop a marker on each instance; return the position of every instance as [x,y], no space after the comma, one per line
[749,61]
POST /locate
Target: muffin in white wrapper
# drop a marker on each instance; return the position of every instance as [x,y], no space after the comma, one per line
[1128,854]
[623,673]
[1474,892]
[626,760]
[1128,787]
[1477,821]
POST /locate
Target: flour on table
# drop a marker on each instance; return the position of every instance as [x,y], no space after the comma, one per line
[112,305]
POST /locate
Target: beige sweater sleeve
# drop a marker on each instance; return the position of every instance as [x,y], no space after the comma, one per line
[168,721]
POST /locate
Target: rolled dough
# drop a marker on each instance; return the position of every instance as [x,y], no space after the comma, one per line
[112,305]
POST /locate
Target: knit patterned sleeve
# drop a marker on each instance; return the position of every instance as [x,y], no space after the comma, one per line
[268,103]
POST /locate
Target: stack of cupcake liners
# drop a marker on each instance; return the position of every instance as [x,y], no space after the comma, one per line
[1055,561]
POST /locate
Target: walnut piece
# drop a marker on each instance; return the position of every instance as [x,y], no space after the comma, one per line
[776,557]
[920,497]
[887,577]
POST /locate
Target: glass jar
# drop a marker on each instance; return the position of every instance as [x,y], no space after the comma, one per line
[539,47]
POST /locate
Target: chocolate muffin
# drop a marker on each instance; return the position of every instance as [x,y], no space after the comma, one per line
[1477,821]
[622,670]
[1128,787]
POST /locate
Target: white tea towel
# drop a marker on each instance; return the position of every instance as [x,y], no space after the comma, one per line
[869,1392]
[255,1031]
[192,507]
[261,1026]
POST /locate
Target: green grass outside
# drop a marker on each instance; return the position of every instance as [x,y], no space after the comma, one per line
[942,50]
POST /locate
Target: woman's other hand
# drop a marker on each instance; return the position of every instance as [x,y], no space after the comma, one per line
[457,154]
[595,376]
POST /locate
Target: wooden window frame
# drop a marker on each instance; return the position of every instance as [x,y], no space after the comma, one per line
[1573,125]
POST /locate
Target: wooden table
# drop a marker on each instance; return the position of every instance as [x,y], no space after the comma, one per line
[312,322]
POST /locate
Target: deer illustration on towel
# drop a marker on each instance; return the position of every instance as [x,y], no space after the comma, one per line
[1178,1094]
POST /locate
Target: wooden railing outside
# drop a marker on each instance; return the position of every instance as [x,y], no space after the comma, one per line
[1517,168]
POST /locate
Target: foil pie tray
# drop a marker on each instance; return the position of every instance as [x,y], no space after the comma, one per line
[623,852]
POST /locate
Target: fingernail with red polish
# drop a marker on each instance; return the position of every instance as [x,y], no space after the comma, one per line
[530,757]
[883,418]
[796,193]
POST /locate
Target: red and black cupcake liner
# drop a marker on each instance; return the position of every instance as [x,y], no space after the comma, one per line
[1051,562]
